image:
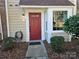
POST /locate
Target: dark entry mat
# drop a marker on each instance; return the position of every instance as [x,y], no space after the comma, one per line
[34,43]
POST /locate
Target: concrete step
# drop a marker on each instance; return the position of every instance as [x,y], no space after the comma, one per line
[36,52]
[36,58]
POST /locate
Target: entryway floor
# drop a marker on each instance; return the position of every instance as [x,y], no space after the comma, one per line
[37,51]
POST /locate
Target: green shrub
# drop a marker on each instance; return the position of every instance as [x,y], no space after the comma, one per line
[8,43]
[57,42]
[71,25]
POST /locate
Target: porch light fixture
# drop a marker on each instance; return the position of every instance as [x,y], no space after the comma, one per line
[23,15]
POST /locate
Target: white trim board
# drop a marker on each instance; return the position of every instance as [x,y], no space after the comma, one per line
[6,5]
[1,28]
[30,6]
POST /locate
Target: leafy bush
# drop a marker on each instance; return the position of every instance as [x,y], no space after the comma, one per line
[8,43]
[57,43]
[71,25]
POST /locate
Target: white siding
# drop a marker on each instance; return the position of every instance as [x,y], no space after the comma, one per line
[16,22]
[65,35]
[13,1]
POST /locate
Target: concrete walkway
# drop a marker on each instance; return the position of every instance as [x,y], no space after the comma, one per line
[36,52]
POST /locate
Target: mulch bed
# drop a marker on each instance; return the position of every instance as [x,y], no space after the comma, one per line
[18,52]
[49,49]
[71,51]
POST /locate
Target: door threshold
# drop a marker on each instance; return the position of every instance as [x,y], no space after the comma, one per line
[35,41]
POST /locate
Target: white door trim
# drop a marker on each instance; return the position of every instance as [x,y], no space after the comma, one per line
[42,22]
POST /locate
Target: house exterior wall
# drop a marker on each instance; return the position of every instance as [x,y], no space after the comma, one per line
[50,31]
[16,22]
[75,5]
[3,18]
[65,35]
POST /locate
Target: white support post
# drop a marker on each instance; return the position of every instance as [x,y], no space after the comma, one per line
[6,6]
[1,28]
[70,14]
[49,24]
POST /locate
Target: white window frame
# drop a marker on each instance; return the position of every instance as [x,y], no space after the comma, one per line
[52,22]
[53,19]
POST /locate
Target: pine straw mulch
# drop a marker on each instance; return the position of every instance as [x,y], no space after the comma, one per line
[71,51]
[18,52]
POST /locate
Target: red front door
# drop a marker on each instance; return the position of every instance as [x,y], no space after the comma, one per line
[35,26]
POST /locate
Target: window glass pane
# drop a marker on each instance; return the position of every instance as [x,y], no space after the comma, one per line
[58,19]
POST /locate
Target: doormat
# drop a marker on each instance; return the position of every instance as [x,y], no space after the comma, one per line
[34,43]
